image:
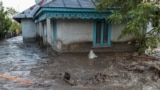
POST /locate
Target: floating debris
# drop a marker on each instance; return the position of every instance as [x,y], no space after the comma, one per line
[92,55]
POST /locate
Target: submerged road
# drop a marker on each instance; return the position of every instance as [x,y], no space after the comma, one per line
[27,67]
[16,62]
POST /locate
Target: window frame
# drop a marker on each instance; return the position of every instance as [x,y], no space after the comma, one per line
[102,44]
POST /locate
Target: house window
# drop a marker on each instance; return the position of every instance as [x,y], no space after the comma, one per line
[98,32]
[101,33]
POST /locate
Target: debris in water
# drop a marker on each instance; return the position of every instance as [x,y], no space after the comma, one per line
[67,76]
[92,55]
[67,79]
[156,69]
[143,58]
[152,52]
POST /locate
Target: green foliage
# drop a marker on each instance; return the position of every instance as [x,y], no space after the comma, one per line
[15,26]
[136,14]
[11,11]
[6,22]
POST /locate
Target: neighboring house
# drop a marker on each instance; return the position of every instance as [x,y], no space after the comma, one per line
[71,25]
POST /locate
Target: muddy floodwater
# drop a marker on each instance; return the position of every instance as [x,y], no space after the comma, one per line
[27,67]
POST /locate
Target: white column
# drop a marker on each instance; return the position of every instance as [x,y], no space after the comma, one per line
[40,28]
[49,31]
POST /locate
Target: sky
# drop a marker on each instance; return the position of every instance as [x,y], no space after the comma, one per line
[18,5]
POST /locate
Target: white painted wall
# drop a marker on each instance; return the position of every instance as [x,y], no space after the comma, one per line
[28,28]
[44,31]
[72,31]
[49,31]
[37,29]
[116,31]
[69,31]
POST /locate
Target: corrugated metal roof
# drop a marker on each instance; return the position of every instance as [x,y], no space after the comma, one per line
[71,4]
[28,13]
[87,4]
[57,3]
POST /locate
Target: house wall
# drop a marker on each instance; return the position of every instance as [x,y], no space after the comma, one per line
[28,30]
[70,31]
[116,31]
[38,29]
[78,34]
[74,34]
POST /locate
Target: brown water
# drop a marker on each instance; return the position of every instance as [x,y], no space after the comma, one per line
[109,71]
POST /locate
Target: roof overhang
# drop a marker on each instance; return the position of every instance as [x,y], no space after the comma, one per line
[68,13]
[28,13]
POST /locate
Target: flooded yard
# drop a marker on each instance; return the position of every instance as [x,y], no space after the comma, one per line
[27,67]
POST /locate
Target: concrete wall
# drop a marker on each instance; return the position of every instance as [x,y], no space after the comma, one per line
[74,34]
[70,31]
[116,31]
[49,31]
[38,29]
[43,31]
[28,30]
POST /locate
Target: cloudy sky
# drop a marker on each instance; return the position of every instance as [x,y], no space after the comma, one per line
[19,5]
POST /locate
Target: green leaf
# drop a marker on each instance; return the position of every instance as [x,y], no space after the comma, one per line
[136,14]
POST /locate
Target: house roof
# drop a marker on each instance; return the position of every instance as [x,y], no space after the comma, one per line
[71,4]
[70,9]
[82,9]
[28,13]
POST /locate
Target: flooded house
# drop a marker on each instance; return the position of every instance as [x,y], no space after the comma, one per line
[72,25]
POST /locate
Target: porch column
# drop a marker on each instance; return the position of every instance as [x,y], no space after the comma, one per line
[40,29]
[49,32]
[37,28]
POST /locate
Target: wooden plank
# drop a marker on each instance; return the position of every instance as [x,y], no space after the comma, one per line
[16,79]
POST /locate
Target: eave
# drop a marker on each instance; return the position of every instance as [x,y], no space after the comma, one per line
[68,13]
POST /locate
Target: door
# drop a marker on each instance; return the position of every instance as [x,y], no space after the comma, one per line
[101,33]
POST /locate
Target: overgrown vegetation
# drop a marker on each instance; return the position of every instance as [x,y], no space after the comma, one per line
[7,24]
[136,14]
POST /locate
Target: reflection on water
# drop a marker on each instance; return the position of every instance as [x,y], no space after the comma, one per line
[15,50]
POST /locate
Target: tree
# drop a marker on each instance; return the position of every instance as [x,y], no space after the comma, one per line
[5,22]
[11,11]
[14,25]
[136,14]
